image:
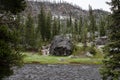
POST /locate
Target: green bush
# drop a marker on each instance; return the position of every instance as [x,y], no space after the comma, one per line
[79,50]
[92,50]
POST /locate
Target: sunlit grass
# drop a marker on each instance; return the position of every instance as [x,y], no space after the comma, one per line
[86,61]
[36,58]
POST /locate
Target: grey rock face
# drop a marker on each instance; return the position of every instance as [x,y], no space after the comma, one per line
[61,46]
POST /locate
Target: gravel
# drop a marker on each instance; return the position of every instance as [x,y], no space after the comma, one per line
[56,72]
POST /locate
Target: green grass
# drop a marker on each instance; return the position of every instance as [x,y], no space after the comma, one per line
[86,61]
[36,58]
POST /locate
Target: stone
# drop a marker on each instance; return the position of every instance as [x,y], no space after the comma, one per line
[61,59]
[45,50]
[61,46]
[101,40]
[89,54]
[72,56]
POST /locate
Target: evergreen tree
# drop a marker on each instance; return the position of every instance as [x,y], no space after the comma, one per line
[111,64]
[70,20]
[92,24]
[76,30]
[59,25]
[48,26]
[21,31]
[102,25]
[63,28]
[69,27]
[76,26]
[9,54]
[84,33]
[55,28]
[42,24]
[80,28]
[29,33]
[108,23]
[13,7]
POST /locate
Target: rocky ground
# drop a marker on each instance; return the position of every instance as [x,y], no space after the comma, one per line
[55,72]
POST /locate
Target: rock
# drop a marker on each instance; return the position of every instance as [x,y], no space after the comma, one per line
[61,59]
[61,46]
[72,56]
[89,54]
[45,50]
[101,40]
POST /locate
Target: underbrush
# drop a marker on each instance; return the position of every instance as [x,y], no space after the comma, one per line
[81,51]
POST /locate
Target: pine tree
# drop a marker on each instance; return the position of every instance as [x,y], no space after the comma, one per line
[102,25]
[84,33]
[29,33]
[55,28]
[21,31]
[48,26]
[9,53]
[42,24]
[69,25]
[76,26]
[75,30]
[108,23]
[80,28]
[111,64]
[59,25]
[92,24]
[13,7]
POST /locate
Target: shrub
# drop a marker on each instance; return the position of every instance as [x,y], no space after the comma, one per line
[92,50]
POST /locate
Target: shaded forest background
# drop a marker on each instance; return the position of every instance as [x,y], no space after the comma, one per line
[46,19]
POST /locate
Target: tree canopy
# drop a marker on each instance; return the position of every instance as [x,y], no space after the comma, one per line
[111,67]
[12,6]
[9,54]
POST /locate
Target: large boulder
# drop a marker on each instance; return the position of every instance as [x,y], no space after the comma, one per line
[61,46]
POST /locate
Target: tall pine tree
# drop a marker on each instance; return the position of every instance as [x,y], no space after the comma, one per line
[92,24]
[29,33]
[102,25]
[9,55]
[84,33]
[111,67]
[80,28]
[42,24]
[48,26]
[55,28]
